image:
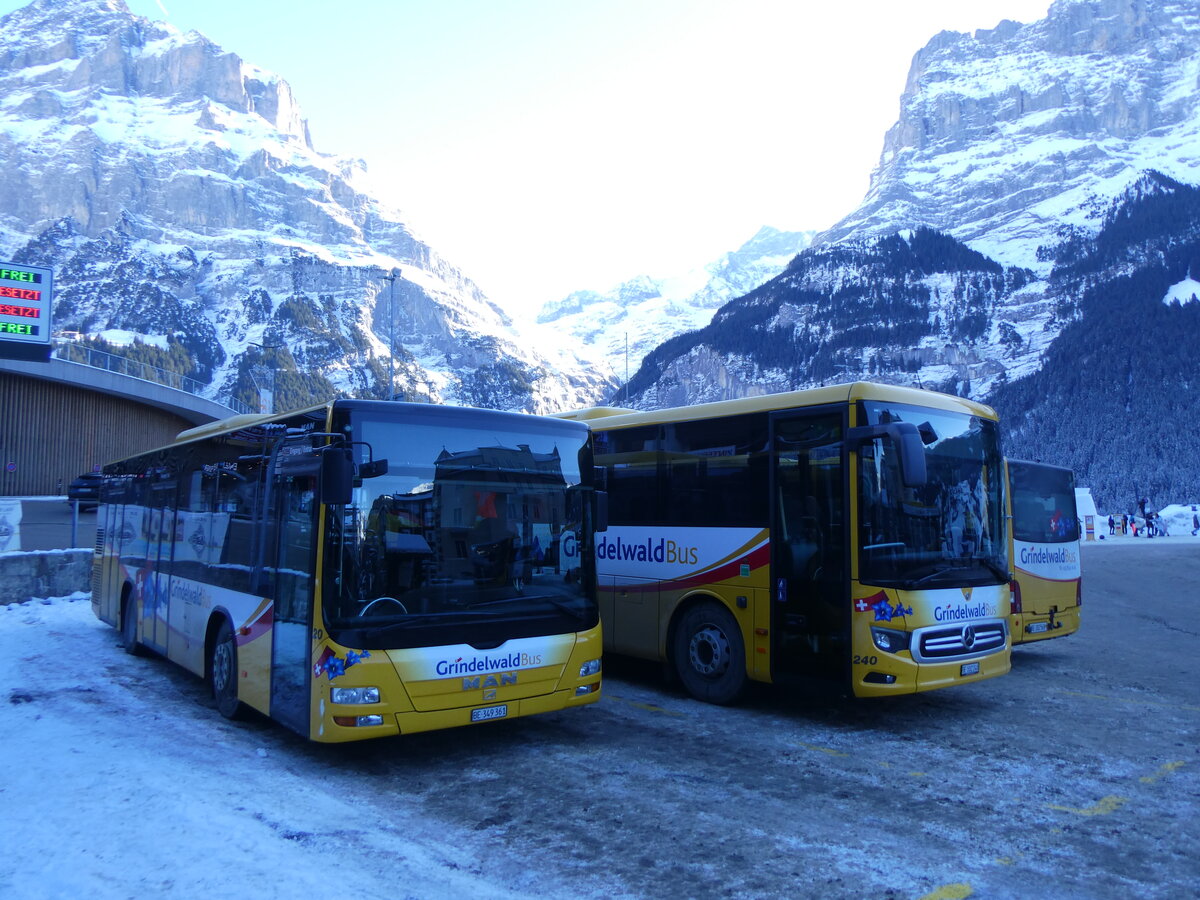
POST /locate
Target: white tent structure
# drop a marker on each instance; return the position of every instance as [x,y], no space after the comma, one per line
[1085,508]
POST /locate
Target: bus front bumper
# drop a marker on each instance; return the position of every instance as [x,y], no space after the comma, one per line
[434,720]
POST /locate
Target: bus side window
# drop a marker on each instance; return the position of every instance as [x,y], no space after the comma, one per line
[632,460]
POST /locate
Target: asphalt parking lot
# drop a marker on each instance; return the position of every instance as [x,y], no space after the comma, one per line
[1077,775]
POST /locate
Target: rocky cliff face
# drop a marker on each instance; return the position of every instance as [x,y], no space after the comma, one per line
[1007,137]
[176,192]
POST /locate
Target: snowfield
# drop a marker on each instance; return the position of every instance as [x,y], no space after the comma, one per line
[125,785]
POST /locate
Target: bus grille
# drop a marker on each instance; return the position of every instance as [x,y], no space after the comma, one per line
[947,642]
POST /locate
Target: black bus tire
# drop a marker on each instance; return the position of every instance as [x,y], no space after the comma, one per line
[129,638]
[223,673]
[709,655]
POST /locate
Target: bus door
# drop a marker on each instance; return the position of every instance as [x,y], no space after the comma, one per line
[153,581]
[810,611]
[291,538]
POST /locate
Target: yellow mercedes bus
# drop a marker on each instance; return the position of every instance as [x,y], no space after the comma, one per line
[361,568]
[1047,589]
[852,534]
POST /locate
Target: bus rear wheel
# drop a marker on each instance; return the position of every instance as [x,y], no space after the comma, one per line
[709,655]
[223,673]
[129,638]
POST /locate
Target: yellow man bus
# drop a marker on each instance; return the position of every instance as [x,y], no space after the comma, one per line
[853,534]
[1047,590]
[361,568]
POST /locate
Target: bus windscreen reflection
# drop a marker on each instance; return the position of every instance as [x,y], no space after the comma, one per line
[474,535]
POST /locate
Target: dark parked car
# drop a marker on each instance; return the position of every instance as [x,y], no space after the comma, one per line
[85,489]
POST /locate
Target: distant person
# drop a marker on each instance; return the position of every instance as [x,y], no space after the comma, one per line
[1195,524]
[1112,525]
[1133,525]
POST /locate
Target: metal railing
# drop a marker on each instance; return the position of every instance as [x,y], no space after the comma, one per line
[76,352]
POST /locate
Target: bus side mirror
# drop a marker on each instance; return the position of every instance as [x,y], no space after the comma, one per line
[337,475]
[907,438]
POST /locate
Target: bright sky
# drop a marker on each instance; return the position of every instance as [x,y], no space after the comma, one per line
[546,146]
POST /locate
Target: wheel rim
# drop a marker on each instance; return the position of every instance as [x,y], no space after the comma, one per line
[709,651]
[222,667]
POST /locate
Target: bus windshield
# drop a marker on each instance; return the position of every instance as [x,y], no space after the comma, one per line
[473,535]
[949,531]
[1043,501]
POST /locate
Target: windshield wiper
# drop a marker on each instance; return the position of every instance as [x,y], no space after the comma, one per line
[939,569]
[957,565]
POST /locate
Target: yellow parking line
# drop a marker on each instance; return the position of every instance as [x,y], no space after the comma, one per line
[828,750]
[648,707]
[1103,808]
[956,891]
[1163,771]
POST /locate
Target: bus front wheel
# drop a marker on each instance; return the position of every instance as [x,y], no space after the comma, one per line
[223,672]
[709,655]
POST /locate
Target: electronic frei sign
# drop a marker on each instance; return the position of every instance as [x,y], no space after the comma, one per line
[25,296]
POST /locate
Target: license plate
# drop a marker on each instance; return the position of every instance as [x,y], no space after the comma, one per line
[1037,627]
[969,669]
[489,712]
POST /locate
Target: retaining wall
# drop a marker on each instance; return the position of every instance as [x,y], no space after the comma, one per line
[45,573]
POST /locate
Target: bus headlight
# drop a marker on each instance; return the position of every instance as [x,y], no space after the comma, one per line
[354,695]
[589,668]
[889,640]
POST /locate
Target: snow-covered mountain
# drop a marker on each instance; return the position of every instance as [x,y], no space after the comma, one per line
[1010,141]
[1115,395]
[1010,136]
[1106,386]
[1035,201]
[915,308]
[621,325]
[175,190]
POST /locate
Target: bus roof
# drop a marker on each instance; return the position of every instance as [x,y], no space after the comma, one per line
[233,423]
[595,412]
[615,417]
[1034,464]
